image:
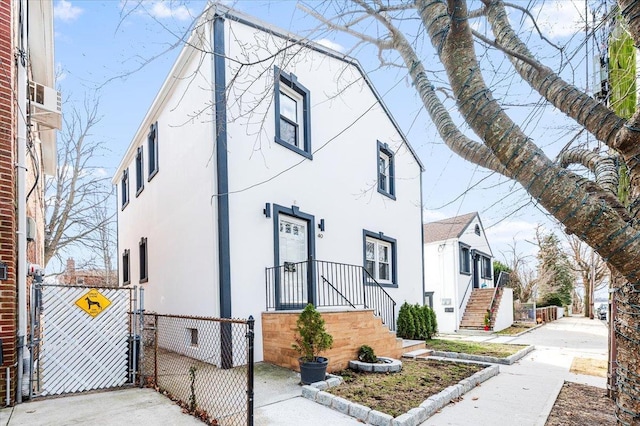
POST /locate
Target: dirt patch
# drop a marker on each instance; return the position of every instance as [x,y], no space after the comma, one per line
[516,328]
[579,405]
[590,366]
[397,393]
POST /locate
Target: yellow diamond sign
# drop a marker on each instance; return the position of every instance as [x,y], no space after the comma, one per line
[93,302]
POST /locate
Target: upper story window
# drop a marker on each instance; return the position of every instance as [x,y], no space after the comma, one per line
[152,148]
[386,171]
[292,113]
[139,171]
[124,188]
[486,270]
[144,275]
[477,229]
[126,268]
[380,258]
[465,259]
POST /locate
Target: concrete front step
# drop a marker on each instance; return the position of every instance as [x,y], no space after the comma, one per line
[416,353]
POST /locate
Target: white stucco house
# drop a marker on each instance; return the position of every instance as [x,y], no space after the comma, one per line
[459,271]
[267,173]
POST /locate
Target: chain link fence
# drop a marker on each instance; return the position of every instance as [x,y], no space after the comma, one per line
[204,364]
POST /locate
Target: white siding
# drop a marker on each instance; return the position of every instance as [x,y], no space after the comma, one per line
[338,185]
[504,316]
[177,209]
[440,259]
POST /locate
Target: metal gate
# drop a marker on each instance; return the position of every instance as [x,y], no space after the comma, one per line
[83,338]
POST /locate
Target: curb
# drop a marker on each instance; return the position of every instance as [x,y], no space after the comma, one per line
[490,359]
[413,417]
[544,414]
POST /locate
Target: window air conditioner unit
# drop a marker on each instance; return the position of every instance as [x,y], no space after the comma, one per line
[45,105]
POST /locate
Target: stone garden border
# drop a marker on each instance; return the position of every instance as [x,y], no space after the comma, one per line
[413,417]
[389,365]
[490,359]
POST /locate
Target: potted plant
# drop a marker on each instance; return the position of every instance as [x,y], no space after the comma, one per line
[487,320]
[311,339]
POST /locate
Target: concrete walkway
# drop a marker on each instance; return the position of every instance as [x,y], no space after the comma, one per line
[522,394]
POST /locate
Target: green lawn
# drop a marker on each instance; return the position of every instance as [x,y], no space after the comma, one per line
[498,350]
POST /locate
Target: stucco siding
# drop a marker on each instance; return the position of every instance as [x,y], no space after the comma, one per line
[175,211]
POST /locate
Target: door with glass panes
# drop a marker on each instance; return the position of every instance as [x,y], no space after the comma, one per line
[293,245]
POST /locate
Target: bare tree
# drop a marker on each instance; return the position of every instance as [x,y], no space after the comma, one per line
[588,265]
[78,196]
[522,278]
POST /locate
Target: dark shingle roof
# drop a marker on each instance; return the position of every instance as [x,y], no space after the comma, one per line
[448,228]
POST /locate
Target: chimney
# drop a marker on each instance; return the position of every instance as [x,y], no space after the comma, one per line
[71,266]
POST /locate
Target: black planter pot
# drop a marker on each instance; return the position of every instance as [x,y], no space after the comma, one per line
[314,371]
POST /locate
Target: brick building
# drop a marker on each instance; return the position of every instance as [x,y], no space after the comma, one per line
[29,116]
[88,276]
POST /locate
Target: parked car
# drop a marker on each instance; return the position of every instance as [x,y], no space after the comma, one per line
[601,311]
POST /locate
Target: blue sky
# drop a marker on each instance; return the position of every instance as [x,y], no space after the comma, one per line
[100,46]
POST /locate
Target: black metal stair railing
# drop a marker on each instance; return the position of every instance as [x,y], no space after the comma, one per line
[327,284]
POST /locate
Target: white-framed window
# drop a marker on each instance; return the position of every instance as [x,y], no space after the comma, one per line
[386,171]
[290,116]
[292,113]
[465,259]
[192,336]
[380,258]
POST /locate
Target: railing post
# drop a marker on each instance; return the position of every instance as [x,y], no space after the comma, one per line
[364,287]
[311,294]
[250,338]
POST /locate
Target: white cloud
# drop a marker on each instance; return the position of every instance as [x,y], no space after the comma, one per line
[66,12]
[163,10]
[331,45]
[559,18]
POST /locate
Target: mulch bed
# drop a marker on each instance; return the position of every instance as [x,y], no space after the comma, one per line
[397,393]
[579,405]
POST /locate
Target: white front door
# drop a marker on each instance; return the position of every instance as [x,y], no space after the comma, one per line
[293,254]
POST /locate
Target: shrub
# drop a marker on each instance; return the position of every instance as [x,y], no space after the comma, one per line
[420,322]
[312,337]
[406,326]
[416,322]
[366,354]
[426,313]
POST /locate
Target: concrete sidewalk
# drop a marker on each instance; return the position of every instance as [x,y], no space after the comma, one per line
[524,393]
[278,401]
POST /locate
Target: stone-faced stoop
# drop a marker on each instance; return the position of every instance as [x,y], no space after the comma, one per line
[489,359]
[413,417]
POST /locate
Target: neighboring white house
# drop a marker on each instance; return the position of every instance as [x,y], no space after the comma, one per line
[259,152]
[458,259]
